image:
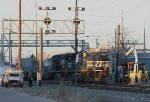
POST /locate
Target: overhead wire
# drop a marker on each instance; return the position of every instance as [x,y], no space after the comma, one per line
[103,6]
[115,18]
[119,14]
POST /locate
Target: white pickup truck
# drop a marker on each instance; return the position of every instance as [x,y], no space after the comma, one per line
[12,77]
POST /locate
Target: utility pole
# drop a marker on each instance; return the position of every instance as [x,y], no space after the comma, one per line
[122,34]
[36,27]
[10,43]
[144,40]
[40,56]
[123,45]
[115,37]
[117,54]
[2,39]
[19,38]
[144,37]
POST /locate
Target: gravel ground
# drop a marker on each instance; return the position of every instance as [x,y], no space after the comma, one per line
[63,93]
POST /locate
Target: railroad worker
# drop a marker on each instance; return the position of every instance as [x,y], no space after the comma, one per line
[132,76]
[120,75]
[146,77]
[139,74]
[105,73]
[30,78]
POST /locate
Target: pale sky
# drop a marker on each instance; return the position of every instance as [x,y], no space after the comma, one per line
[101,16]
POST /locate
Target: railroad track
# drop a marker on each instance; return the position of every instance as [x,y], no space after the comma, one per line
[102,86]
[118,87]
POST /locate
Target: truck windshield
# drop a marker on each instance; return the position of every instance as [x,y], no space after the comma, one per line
[14,75]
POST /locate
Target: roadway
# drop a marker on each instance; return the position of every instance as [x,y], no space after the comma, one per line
[9,95]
